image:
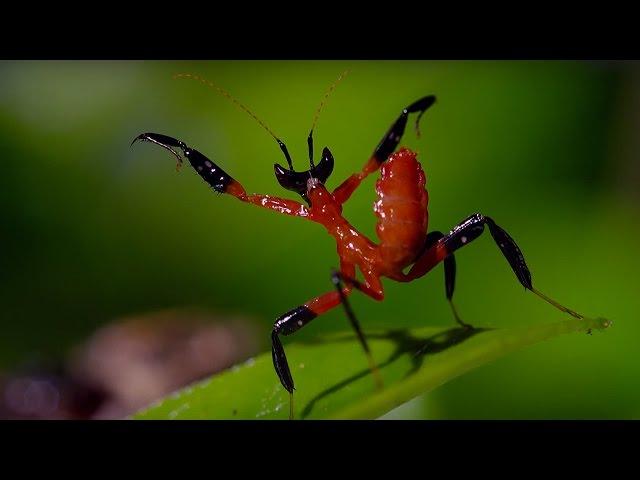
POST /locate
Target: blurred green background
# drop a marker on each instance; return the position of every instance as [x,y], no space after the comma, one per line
[92,230]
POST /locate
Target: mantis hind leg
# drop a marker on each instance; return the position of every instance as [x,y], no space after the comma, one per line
[463,234]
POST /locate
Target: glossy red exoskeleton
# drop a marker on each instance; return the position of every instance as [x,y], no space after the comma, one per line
[401,209]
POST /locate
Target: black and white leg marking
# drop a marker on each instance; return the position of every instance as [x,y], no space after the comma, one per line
[287,324]
[449,274]
[472,228]
[215,176]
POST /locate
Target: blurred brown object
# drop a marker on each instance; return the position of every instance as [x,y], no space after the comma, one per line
[624,141]
[45,391]
[129,364]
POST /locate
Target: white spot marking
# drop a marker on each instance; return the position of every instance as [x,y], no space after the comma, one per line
[464,239]
[208,164]
[311,183]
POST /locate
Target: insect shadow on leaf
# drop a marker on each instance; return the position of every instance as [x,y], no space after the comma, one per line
[405,344]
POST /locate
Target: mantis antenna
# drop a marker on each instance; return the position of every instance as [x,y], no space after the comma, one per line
[317,114]
[228,96]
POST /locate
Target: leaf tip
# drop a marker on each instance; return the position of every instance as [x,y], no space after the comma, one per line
[605,322]
[599,323]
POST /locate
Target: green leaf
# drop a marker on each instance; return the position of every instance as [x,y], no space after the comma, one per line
[333,380]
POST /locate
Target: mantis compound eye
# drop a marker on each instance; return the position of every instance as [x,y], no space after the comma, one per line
[297,181]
